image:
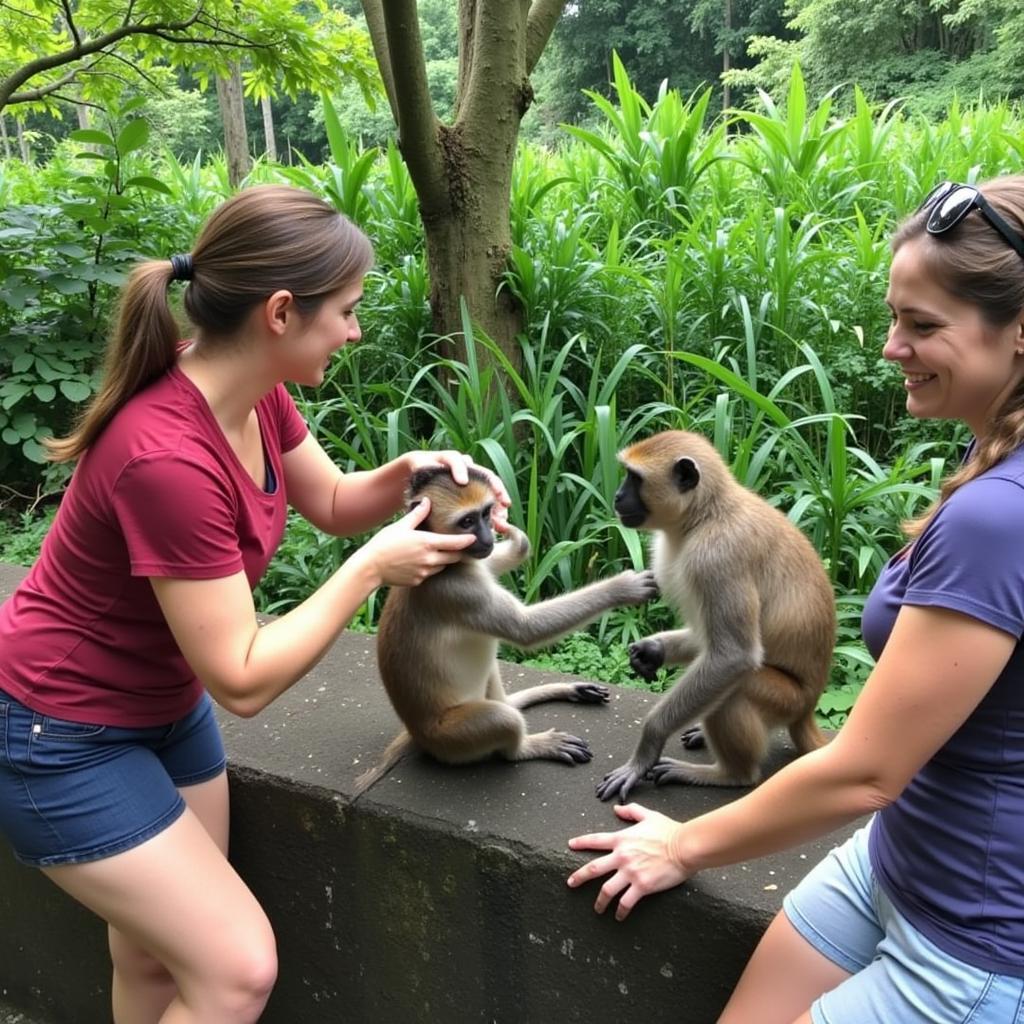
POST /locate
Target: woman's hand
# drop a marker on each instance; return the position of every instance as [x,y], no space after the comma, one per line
[642,858]
[400,555]
[458,465]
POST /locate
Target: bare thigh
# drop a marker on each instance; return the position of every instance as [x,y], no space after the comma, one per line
[784,976]
[177,896]
[209,802]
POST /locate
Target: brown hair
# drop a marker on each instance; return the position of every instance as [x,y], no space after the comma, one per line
[973,262]
[262,239]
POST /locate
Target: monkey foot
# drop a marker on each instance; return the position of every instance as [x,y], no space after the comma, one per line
[670,771]
[693,738]
[620,781]
[557,746]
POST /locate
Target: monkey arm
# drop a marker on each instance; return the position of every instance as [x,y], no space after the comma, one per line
[502,615]
[678,645]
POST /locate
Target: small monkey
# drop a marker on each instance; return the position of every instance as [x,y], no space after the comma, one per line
[437,642]
[759,609]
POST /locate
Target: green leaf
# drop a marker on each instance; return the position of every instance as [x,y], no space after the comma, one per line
[133,135]
[92,137]
[74,391]
[149,182]
[68,285]
[45,392]
[34,451]
[22,362]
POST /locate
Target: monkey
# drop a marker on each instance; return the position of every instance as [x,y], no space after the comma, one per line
[758,607]
[437,643]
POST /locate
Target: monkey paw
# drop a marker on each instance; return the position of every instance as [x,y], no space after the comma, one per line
[693,738]
[646,657]
[571,749]
[620,781]
[590,693]
[638,587]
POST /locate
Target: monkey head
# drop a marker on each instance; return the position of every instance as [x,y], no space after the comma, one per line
[667,478]
[456,508]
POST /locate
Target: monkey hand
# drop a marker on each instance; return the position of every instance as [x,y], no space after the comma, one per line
[636,587]
[589,693]
[646,657]
[641,859]
[620,781]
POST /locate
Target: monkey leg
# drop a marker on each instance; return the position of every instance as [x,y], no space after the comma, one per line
[477,729]
[783,701]
[736,735]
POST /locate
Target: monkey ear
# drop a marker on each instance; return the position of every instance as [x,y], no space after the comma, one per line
[685,473]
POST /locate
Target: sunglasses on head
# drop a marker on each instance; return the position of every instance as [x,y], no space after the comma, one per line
[948,204]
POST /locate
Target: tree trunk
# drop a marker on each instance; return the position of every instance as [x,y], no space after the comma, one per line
[5,137]
[462,172]
[26,155]
[726,94]
[268,129]
[232,113]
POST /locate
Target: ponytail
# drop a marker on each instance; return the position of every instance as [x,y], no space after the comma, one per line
[142,347]
[262,239]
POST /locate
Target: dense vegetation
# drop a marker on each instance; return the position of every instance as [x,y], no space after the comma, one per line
[720,274]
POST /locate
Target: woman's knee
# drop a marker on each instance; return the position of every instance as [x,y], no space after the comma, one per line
[247,972]
[133,961]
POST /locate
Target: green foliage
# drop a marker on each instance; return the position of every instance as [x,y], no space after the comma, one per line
[21,535]
[287,49]
[60,266]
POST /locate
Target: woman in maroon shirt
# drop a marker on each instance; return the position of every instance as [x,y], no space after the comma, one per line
[140,607]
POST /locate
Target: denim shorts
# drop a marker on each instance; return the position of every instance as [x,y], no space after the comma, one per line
[898,976]
[71,792]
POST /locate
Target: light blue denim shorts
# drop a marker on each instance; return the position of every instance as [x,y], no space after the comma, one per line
[897,975]
[71,792]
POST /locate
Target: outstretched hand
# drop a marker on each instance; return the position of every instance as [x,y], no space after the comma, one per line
[641,859]
[403,556]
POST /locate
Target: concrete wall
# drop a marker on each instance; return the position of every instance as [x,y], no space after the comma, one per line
[440,894]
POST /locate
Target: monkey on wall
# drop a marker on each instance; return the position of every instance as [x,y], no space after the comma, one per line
[437,643]
[759,613]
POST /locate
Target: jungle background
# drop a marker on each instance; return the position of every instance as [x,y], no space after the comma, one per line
[683,222]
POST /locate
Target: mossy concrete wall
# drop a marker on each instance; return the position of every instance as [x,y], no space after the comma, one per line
[439,895]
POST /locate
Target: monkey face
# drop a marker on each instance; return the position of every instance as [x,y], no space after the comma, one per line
[629,505]
[656,491]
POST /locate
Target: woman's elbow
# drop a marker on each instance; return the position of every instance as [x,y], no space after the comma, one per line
[236,699]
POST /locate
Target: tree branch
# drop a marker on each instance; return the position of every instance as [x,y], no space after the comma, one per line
[374,15]
[543,17]
[418,126]
[77,52]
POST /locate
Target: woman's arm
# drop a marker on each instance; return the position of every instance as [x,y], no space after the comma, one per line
[348,503]
[936,667]
[245,665]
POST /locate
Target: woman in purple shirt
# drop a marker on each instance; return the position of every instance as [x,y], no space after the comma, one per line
[919,917]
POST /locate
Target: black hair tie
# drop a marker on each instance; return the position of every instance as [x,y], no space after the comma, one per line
[181,267]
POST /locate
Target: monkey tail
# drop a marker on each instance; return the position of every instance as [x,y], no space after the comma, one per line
[806,735]
[396,750]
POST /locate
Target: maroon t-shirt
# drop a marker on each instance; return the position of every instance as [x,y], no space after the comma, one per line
[159,493]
